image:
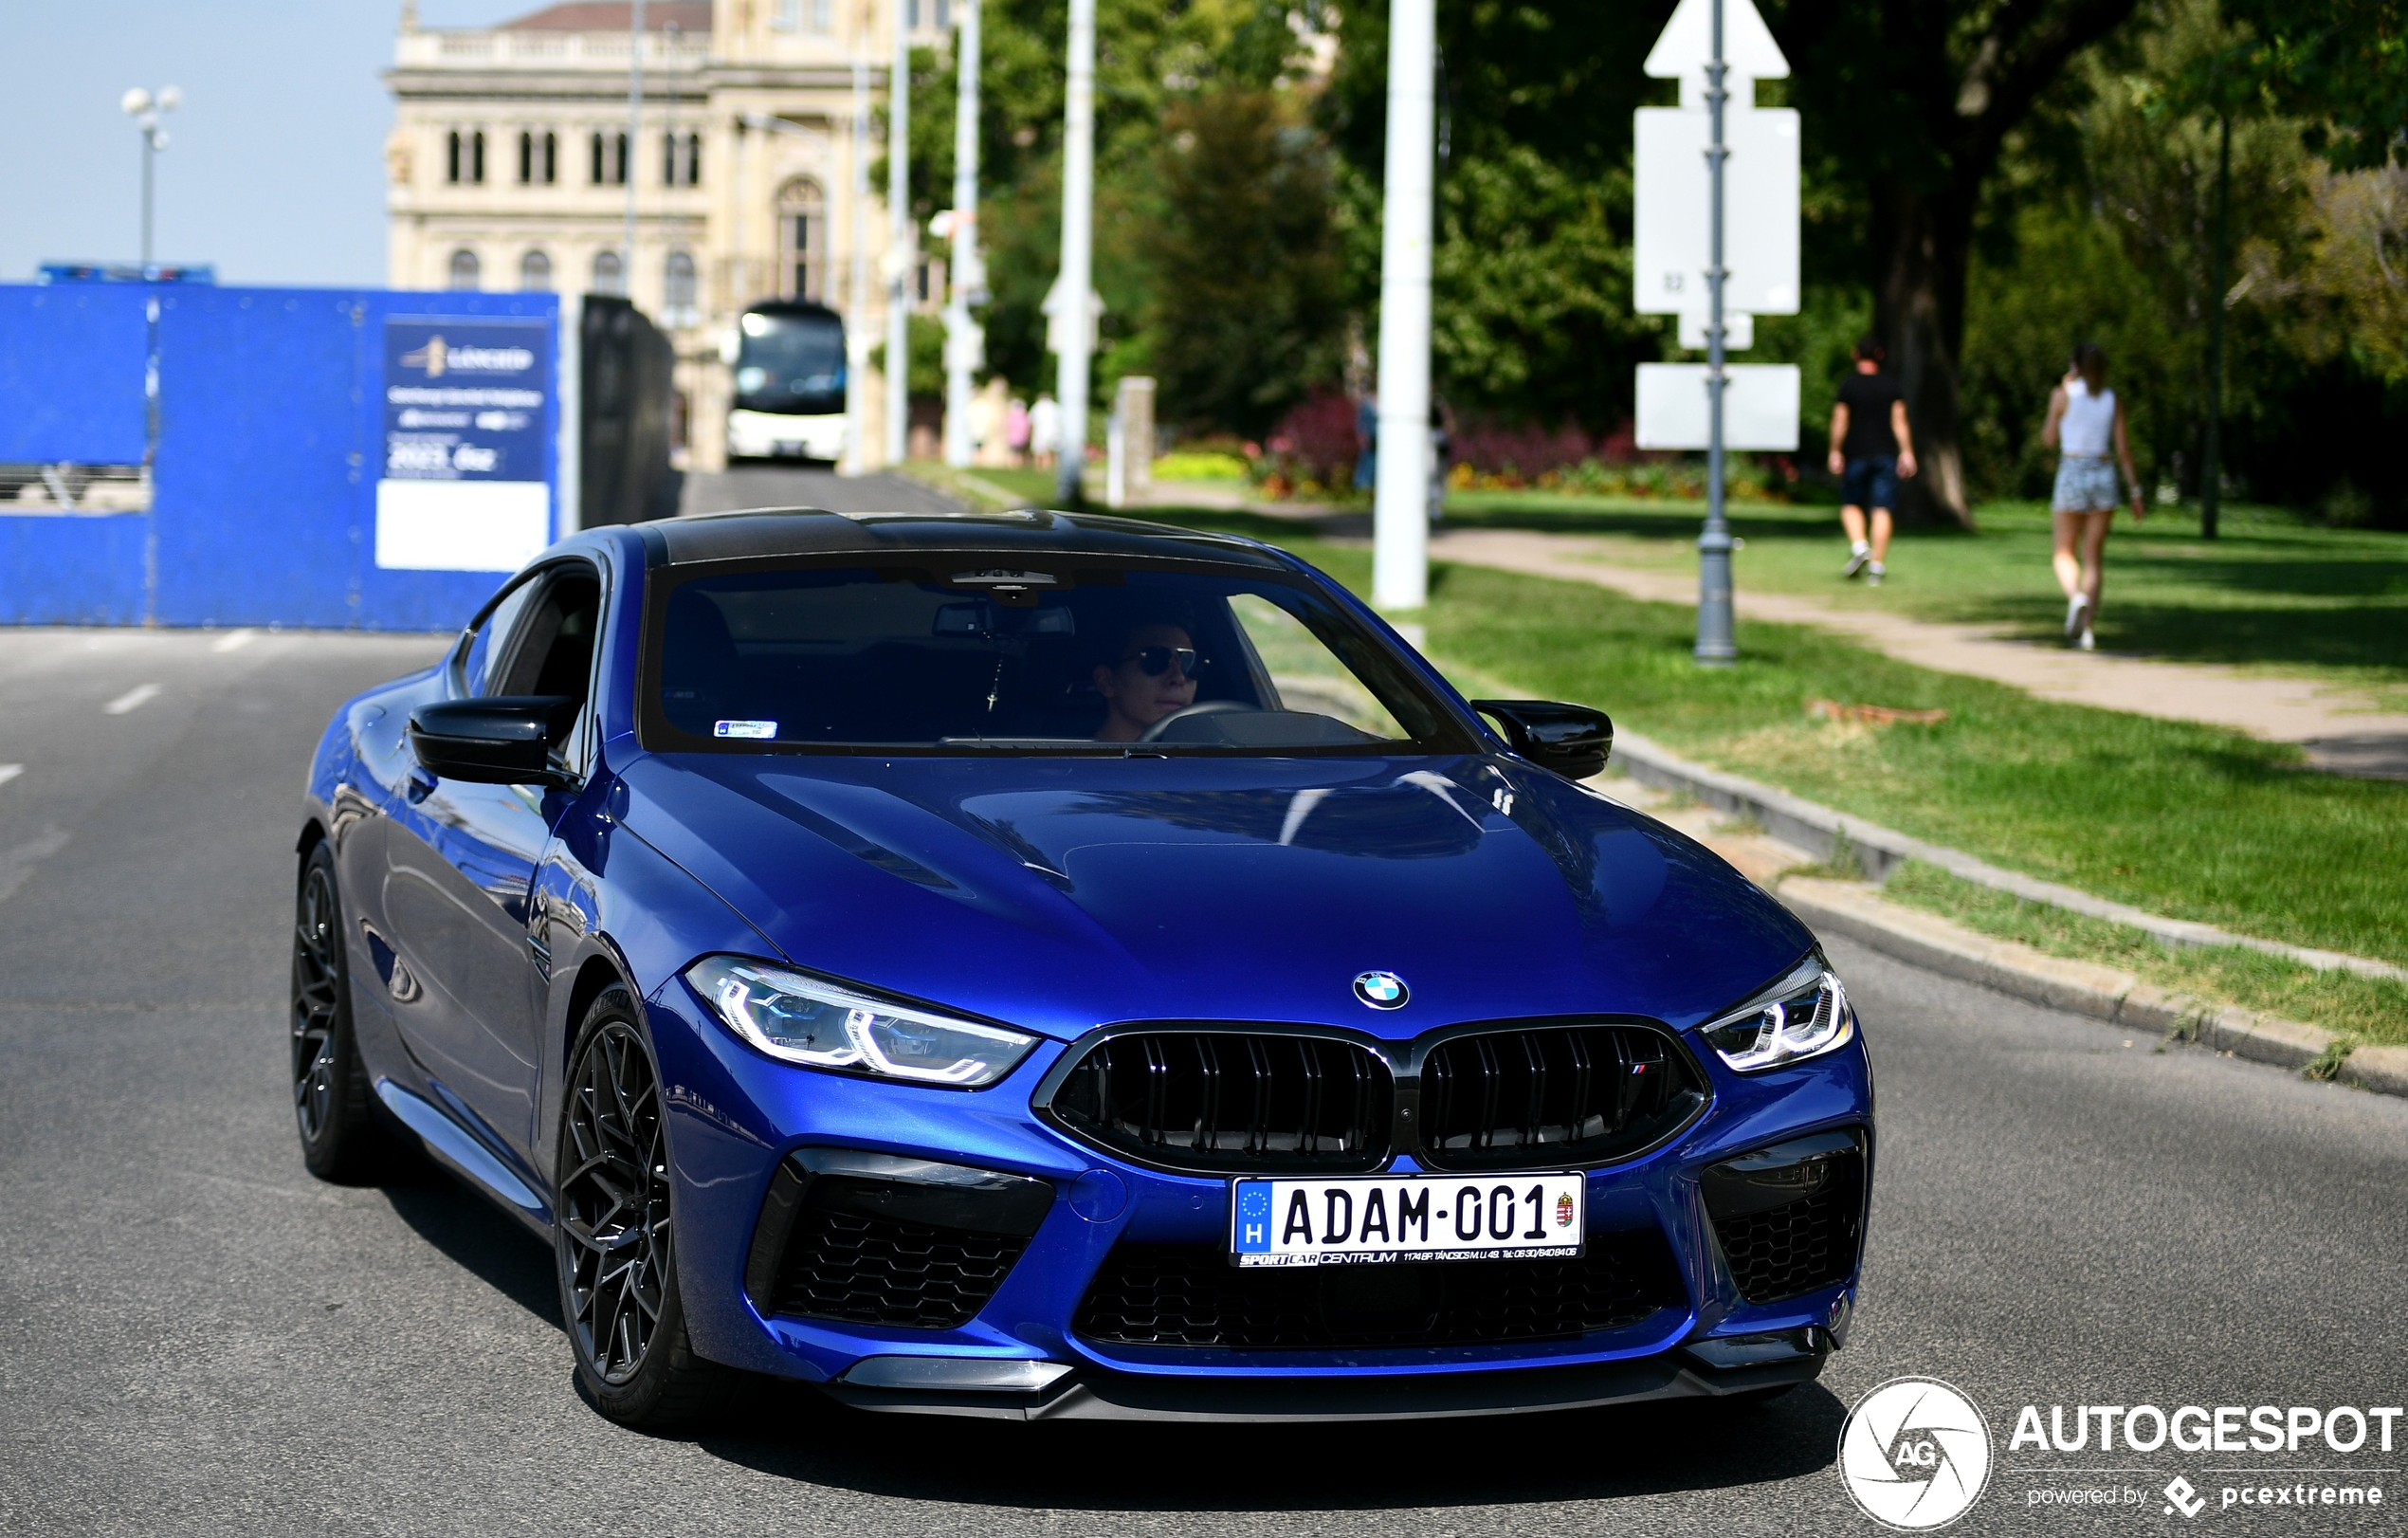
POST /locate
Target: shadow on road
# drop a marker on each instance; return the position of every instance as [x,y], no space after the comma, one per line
[1575,1455]
[479,1239]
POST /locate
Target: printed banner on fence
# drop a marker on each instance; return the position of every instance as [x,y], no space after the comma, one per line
[467,421]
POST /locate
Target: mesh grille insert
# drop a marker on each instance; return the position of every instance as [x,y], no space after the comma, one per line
[1808,1243]
[1190,1297]
[876,1271]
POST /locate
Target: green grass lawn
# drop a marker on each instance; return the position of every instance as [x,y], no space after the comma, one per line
[2371,1010]
[2275,594]
[2188,820]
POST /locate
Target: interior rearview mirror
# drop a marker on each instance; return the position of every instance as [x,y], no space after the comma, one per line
[1572,740]
[501,740]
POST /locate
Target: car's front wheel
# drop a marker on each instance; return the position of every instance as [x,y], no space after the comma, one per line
[339,1135]
[615,1233]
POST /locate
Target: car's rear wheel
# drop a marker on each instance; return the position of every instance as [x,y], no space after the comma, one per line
[339,1136]
[615,1233]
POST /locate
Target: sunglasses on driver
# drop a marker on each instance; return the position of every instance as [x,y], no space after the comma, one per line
[1154,661]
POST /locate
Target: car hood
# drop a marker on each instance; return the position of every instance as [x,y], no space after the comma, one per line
[1059,894]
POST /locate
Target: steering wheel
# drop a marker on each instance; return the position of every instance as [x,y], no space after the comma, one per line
[1201,707]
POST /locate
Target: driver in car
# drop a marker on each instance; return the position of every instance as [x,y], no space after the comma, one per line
[1155,677]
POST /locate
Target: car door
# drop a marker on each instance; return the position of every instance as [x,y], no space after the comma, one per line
[459,864]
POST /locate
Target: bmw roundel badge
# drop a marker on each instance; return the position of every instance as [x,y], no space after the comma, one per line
[1381,990]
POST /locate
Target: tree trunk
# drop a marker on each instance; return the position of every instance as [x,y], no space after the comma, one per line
[1924,242]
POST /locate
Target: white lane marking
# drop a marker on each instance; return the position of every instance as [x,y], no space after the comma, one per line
[132,699]
[233,641]
[10,772]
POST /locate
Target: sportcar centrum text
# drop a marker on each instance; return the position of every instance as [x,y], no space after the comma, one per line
[1045,966]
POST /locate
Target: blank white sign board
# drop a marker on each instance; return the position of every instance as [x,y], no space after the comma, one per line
[1671,216]
[1759,406]
[460,526]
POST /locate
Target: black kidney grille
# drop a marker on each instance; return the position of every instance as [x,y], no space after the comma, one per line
[1569,1092]
[1806,1244]
[875,1270]
[1190,1296]
[1231,1102]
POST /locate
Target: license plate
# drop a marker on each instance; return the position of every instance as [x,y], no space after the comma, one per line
[1376,1219]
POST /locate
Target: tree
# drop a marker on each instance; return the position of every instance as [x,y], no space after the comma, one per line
[1916,99]
[1246,311]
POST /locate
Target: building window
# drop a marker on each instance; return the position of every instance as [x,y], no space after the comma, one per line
[609,274]
[610,160]
[451,161]
[534,272]
[465,269]
[476,156]
[551,158]
[786,16]
[802,240]
[526,156]
[822,14]
[678,295]
[681,159]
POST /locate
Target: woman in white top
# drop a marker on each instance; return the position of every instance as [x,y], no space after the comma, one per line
[2085,422]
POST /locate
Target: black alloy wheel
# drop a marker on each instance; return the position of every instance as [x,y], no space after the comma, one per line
[340,1139]
[615,1237]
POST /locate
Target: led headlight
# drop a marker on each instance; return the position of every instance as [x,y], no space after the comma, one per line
[1805,1015]
[800,1019]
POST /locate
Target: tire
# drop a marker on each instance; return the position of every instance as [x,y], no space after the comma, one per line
[333,1105]
[614,1232]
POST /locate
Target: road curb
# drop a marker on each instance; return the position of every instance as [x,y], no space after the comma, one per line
[1856,912]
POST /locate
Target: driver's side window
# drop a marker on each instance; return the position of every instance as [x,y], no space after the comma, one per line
[539,641]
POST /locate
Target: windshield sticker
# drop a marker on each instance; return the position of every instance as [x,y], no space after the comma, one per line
[761,729]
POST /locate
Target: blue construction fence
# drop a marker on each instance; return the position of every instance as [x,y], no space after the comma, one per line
[328,458]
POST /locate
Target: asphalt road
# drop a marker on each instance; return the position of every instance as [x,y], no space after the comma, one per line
[195,1336]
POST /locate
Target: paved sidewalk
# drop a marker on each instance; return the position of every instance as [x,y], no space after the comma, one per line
[2340,734]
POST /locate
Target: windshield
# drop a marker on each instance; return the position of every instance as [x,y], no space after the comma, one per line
[978,652]
[789,363]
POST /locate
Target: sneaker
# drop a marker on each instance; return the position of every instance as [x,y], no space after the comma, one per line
[1857,555]
[2075,612]
[1874,575]
[2087,642]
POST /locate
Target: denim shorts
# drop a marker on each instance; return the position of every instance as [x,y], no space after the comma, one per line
[2086,484]
[1871,482]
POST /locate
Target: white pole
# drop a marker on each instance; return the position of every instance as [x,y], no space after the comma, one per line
[959,363]
[1078,248]
[1401,506]
[634,140]
[857,285]
[900,242]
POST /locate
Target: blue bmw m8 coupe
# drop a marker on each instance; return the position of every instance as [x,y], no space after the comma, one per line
[1039,965]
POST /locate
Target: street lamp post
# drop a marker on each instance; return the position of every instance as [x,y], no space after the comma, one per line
[901,229]
[1078,253]
[962,339]
[1716,646]
[144,109]
[1400,496]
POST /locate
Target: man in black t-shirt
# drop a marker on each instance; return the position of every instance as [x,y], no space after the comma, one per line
[1871,448]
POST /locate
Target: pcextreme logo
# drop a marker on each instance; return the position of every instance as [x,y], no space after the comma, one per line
[1915,1454]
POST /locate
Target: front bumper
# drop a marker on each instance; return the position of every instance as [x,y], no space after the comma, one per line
[743,1127]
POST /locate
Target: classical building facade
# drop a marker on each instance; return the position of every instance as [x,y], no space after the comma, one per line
[510,163]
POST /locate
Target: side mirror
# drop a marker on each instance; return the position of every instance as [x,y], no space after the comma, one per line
[502,740]
[1572,740]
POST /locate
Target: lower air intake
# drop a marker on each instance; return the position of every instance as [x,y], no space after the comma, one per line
[1790,1218]
[1190,1296]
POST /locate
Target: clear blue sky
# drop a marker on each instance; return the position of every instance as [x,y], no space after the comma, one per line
[275,171]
